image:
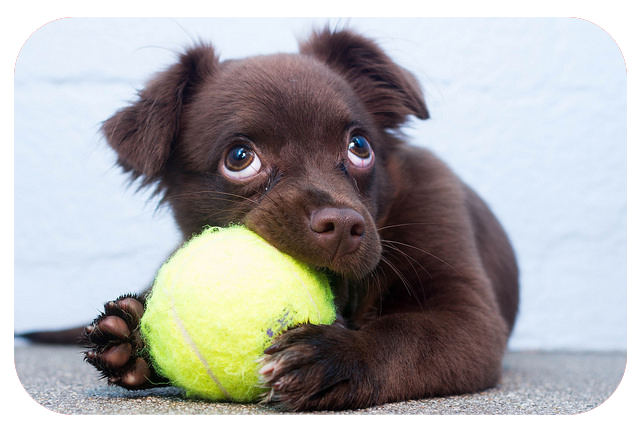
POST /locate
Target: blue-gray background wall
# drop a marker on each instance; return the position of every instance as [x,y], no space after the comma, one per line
[530,112]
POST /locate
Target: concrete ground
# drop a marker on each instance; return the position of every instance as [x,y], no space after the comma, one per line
[57,378]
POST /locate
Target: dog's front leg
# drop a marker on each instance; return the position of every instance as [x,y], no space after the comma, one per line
[396,357]
[116,347]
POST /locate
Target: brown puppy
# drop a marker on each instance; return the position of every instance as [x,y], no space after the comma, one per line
[304,149]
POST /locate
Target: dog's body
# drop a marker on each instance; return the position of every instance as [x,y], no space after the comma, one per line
[303,149]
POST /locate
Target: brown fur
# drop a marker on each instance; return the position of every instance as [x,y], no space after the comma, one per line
[425,278]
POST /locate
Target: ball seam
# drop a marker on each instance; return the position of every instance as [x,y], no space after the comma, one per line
[194,347]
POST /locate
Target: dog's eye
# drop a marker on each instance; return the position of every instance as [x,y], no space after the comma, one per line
[360,153]
[241,163]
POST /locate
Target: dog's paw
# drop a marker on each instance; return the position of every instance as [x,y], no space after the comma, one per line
[316,367]
[116,348]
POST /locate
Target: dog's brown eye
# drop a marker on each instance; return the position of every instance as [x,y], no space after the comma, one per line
[241,163]
[360,153]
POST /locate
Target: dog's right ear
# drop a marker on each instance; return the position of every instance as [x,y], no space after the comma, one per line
[143,134]
[389,91]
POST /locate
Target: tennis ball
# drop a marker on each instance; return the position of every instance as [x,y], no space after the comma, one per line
[217,304]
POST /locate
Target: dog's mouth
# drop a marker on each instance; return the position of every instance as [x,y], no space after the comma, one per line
[338,240]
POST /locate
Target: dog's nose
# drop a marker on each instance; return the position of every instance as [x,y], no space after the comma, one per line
[338,231]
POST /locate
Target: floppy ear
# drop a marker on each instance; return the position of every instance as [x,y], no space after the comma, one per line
[143,133]
[389,91]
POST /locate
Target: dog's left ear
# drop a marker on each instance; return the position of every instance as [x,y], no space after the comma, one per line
[144,133]
[389,91]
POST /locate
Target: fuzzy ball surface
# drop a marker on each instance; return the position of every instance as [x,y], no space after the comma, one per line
[219,302]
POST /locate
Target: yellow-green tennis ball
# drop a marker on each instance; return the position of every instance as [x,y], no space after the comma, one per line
[217,304]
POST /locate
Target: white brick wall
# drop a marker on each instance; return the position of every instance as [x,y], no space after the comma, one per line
[531,112]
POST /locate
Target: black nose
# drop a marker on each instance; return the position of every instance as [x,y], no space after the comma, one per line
[338,231]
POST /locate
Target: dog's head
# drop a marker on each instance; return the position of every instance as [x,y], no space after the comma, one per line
[293,146]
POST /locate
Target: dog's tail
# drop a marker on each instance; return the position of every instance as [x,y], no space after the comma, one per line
[63,336]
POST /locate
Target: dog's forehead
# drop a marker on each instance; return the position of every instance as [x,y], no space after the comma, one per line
[280,70]
[290,91]
[287,105]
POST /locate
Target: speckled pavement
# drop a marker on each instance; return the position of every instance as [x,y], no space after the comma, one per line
[57,378]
